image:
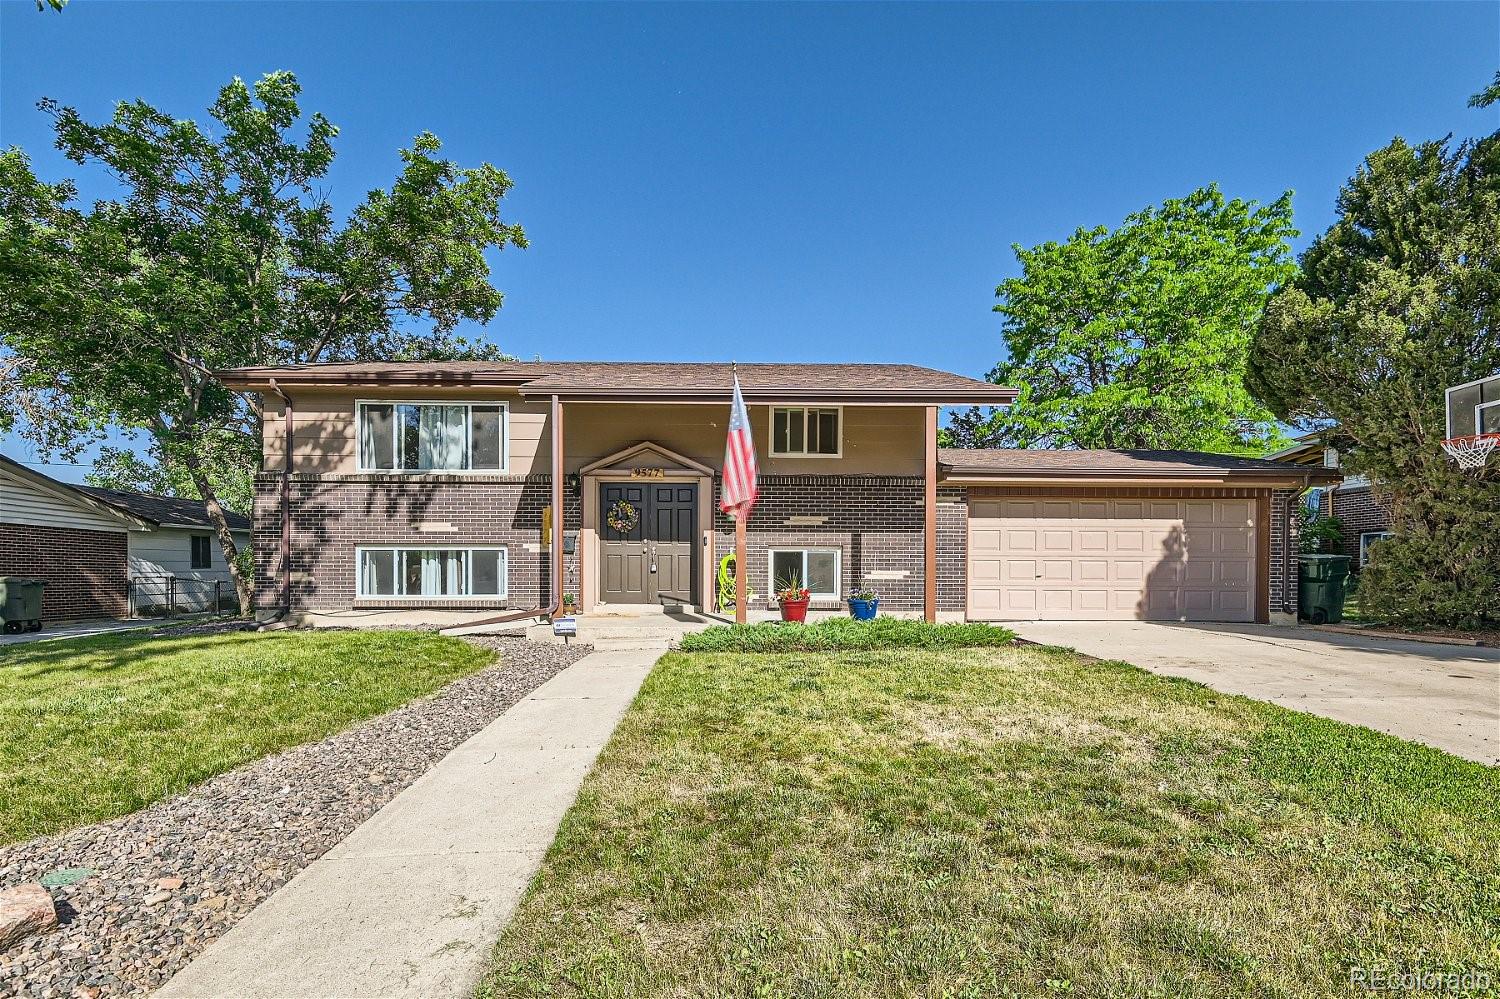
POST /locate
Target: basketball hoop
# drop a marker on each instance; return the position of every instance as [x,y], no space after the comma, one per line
[1471,452]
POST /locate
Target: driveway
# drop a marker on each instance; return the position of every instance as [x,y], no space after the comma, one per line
[1446,696]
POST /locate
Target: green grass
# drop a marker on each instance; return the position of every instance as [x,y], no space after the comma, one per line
[843,633]
[999,822]
[93,728]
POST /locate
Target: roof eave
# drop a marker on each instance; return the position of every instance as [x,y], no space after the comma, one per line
[763,395]
[1265,479]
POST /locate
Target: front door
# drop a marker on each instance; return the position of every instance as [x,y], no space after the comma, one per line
[653,559]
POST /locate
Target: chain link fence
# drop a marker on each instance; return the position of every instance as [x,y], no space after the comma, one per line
[168,596]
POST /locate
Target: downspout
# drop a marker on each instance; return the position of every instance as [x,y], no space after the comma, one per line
[286,502]
[556,555]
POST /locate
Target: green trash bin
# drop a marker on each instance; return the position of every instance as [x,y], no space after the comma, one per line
[21,603]
[1322,581]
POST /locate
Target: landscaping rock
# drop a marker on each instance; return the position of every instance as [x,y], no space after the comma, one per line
[25,910]
[234,839]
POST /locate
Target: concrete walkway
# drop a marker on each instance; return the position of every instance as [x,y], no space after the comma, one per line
[410,903]
[1447,696]
[83,629]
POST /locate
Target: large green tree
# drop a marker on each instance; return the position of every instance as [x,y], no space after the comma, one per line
[223,249]
[1398,300]
[1136,337]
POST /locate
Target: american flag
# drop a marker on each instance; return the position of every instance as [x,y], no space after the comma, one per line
[740,486]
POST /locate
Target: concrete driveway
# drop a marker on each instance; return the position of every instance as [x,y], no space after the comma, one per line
[1447,696]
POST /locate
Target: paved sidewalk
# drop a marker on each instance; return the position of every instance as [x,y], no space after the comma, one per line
[1447,696]
[410,903]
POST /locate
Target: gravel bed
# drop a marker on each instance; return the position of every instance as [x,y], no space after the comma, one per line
[237,837]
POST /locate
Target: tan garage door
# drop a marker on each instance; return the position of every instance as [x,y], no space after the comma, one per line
[1040,558]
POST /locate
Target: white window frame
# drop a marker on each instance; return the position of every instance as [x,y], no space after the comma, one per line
[1365,537]
[804,453]
[468,550]
[468,404]
[838,568]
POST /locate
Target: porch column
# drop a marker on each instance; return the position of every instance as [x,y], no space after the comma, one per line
[929,517]
[557,504]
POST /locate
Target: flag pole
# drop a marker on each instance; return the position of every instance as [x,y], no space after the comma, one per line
[740,597]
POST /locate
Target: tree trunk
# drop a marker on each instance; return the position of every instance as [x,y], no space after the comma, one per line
[242,586]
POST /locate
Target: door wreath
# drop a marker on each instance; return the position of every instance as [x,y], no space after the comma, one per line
[622,517]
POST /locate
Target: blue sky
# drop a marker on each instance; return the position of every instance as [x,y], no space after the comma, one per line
[810,182]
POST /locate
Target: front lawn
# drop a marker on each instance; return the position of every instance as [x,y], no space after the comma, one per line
[1000,822]
[92,728]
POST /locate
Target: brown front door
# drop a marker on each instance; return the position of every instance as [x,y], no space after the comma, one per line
[655,559]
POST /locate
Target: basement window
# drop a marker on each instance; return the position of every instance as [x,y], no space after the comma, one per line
[815,568]
[426,573]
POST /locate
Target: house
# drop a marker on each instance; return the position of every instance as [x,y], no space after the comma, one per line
[107,553]
[1353,501]
[433,485]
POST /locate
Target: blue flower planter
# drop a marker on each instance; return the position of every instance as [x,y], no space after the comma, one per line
[864,610]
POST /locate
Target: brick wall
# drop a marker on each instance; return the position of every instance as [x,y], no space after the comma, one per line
[1284,550]
[874,521]
[953,549]
[84,570]
[1360,512]
[332,514]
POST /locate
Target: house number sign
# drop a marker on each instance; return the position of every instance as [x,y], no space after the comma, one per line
[648,473]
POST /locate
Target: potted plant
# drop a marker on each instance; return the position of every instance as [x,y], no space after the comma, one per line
[793,598]
[864,603]
[569,605]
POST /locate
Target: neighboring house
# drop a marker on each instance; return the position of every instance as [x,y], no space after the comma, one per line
[99,547]
[431,486]
[1353,501]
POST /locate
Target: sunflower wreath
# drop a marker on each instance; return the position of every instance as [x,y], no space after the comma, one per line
[623,517]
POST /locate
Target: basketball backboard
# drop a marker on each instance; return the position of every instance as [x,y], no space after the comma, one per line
[1474,407]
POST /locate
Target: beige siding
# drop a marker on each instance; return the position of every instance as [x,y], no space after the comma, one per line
[877,440]
[23,502]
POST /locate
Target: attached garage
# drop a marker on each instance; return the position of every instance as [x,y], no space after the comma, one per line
[1112,558]
[1126,535]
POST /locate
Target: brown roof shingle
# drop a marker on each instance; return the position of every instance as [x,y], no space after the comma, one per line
[651,379]
[1000,462]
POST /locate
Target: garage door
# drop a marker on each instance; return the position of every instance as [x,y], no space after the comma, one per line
[1112,559]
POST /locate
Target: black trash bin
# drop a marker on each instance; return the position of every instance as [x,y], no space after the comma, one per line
[1322,581]
[21,603]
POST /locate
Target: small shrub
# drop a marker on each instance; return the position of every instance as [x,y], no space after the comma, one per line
[844,633]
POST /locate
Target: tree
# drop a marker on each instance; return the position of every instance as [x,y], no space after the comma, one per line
[1136,337]
[1398,300]
[222,250]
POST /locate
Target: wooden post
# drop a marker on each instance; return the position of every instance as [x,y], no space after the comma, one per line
[740,599]
[929,519]
[558,522]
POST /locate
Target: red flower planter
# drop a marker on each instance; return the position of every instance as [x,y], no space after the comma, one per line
[795,610]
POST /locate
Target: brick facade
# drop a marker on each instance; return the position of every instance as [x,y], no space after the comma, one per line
[333,514]
[1284,551]
[85,570]
[953,550]
[1360,512]
[874,521]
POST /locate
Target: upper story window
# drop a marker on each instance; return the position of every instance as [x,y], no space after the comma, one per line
[432,436]
[202,551]
[798,430]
